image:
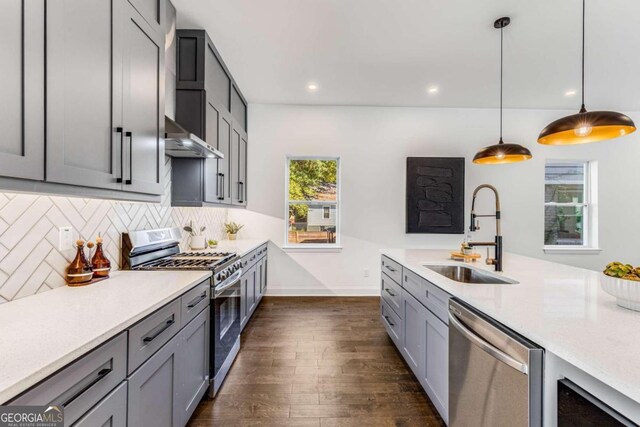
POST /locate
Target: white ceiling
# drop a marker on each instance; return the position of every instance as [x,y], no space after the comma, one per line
[388,52]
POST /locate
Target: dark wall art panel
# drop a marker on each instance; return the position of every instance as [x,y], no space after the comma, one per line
[435,195]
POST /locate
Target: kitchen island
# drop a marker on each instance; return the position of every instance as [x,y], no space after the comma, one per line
[563,309]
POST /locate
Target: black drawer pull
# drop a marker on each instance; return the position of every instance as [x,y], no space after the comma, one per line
[84,387]
[390,268]
[389,292]
[389,321]
[221,186]
[196,300]
[167,325]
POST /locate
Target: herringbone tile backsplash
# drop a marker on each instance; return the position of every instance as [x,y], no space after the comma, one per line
[30,261]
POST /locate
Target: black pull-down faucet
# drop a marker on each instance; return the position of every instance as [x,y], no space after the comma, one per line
[496,261]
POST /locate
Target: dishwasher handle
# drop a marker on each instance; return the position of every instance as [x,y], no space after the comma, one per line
[487,347]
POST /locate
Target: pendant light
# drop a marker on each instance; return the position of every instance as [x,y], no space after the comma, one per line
[586,126]
[501,153]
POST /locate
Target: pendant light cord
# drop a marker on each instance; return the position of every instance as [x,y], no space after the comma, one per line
[583,109]
[501,61]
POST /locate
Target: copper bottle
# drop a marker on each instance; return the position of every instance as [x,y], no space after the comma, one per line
[79,271]
[100,263]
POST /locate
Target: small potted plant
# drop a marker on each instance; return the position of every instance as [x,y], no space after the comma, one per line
[212,243]
[232,229]
[623,282]
[197,240]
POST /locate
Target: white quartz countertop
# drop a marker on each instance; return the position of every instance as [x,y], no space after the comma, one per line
[43,333]
[241,247]
[559,307]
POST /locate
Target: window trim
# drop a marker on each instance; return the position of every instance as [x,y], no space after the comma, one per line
[317,247]
[589,206]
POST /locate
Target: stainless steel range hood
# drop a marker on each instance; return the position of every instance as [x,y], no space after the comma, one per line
[181,143]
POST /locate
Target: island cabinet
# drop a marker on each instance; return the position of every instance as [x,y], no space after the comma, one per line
[253,282]
[152,374]
[209,104]
[413,311]
[95,69]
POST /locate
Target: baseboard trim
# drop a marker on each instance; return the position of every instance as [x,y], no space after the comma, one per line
[323,293]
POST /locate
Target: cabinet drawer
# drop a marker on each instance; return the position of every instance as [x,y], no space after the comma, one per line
[194,301]
[249,259]
[84,383]
[429,295]
[392,293]
[391,323]
[392,269]
[111,411]
[153,332]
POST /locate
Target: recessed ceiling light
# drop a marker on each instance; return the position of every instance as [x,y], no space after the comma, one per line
[433,90]
[312,87]
[570,93]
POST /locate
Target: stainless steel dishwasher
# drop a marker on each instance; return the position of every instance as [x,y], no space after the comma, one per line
[495,375]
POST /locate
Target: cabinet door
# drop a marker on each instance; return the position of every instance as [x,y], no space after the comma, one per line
[109,412]
[242,170]
[413,335]
[224,165]
[22,89]
[193,351]
[152,390]
[435,379]
[212,185]
[235,165]
[143,104]
[244,282]
[251,291]
[84,86]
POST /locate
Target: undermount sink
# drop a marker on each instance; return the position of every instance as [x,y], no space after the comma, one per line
[464,274]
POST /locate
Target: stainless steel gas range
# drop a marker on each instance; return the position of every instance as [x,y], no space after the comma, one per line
[159,250]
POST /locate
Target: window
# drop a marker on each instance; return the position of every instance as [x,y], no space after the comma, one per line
[313,201]
[569,205]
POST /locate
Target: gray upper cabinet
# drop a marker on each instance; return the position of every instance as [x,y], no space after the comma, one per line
[143,104]
[22,118]
[84,103]
[209,104]
[103,118]
[152,11]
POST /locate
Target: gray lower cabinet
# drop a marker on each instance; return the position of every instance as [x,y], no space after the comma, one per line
[423,339]
[22,89]
[110,412]
[253,283]
[193,364]
[152,400]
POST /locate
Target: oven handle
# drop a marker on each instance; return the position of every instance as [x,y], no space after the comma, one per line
[227,283]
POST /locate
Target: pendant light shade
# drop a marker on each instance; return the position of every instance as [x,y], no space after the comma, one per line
[586,126]
[501,153]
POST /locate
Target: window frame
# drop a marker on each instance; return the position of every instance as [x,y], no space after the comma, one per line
[588,205]
[325,203]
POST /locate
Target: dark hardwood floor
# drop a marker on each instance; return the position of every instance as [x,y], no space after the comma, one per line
[318,362]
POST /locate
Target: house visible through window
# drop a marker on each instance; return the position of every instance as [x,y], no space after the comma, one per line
[569,208]
[313,201]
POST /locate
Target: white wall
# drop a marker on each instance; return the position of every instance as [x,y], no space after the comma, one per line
[373,143]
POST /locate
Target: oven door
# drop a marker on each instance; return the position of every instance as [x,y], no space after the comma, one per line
[226,325]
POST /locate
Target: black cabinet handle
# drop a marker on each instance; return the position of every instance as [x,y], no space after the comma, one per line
[84,385]
[130,180]
[389,292]
[221,189]
[196,300]
[390,268]
[167,325]
[389,321]
[240,192]
[121,132]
